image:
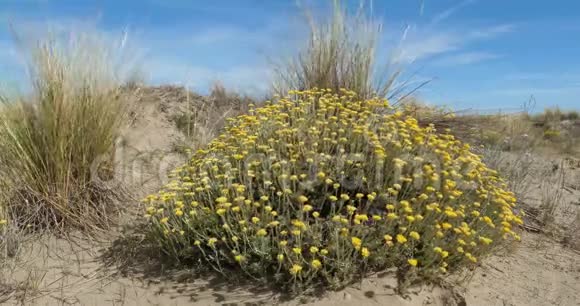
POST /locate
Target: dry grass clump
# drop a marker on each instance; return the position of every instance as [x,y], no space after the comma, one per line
[517,132]
[555,115]
[424,113]
[319,188]
[513,132]
[341,53]
[572,235]
[505,132]
[517,169]
[558,129]
[49,140]
[204,116]
[200,118]
[11,241]
[552,189]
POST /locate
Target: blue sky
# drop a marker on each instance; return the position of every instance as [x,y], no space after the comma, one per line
[479,54]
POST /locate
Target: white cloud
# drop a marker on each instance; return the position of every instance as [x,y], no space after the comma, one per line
[526,76]
[561,78]
[253,74]
[237,56]
[420,48]
[243,78]
[266,38]
[7,52]
[218,35]
[26,24]
[422,44]
[466,58]
[537,90]
[492,32]
[450,11]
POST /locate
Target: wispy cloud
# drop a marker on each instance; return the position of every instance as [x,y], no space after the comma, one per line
[267,37]
[234,55]
[450,11]
[563,78]
[253,80]
[466,58]
[419,48]
[538,90]
[492,32]
[29,22]
[10,63]
[421,44]
[526,76]
[22,1]
[219,35]
[237,57]
[7,52]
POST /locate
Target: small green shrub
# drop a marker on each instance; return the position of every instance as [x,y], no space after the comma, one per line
[184,122]
[318,189]
[552,134]
[573,115]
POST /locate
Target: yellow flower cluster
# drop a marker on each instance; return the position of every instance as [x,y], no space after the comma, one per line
[319,186]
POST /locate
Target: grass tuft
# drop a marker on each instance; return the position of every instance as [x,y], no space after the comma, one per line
[340,53]
[50,139]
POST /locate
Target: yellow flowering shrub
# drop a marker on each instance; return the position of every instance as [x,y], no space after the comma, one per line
[319,188]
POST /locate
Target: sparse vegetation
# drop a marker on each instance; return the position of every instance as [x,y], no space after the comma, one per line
[506,132]
[551,198]
[516,169]
[427,114]
[201,118]
[555,115]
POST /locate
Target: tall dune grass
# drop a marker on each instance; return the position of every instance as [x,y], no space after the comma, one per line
[49,139]
[340,53]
